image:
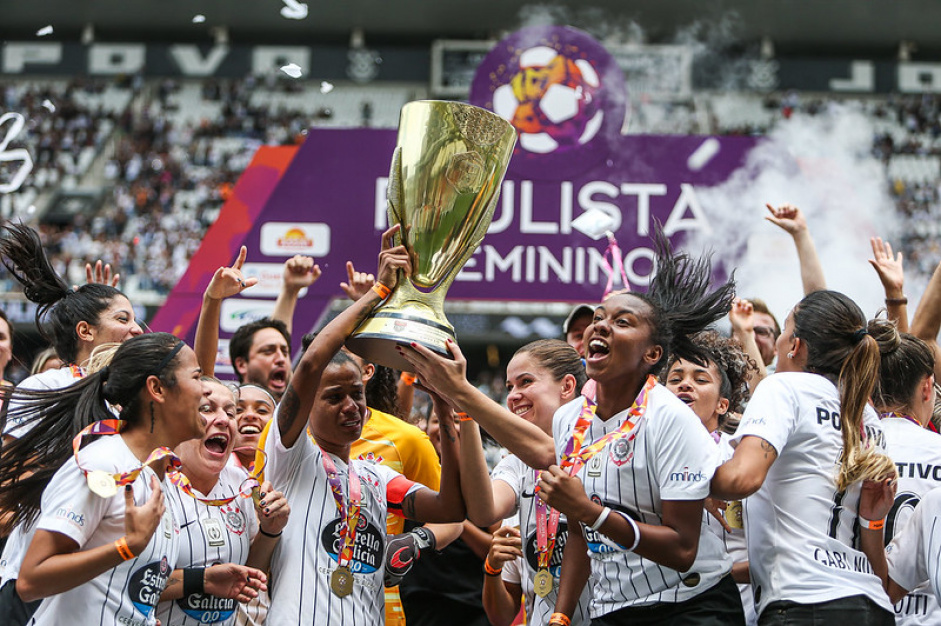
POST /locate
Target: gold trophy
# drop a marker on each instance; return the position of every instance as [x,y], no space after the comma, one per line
[447,170]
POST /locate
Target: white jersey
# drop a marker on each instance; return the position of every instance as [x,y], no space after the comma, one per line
[521,479]
[802,533]
[44,381]
[210,535]
[915,552]
[671,458]
[127,594]
[733,541]
[916,452]
[306,556]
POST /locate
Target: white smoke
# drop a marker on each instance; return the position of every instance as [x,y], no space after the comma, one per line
[822,164]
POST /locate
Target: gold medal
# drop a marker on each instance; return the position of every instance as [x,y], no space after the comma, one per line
[733,514]
[542,583]
[102,483]
[341,581]
[256,495]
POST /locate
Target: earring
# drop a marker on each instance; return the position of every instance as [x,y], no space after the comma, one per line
[790,355]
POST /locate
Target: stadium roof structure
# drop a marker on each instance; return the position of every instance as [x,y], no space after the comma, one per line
[809,26]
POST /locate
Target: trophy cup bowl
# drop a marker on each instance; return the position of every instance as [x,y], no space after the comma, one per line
[444,184]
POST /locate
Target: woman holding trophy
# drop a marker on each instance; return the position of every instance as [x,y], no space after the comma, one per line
[634,468]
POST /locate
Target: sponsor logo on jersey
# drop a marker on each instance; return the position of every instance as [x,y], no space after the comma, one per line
[207,609]
[215,534]
[686,476]
[234,520]
[73,517]
[146,584]
[367,551]
[555,561]
[621,452]
[598,543]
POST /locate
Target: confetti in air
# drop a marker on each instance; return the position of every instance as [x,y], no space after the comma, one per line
[292,69]
[47,104]
[17,154]
[199,19]
[45,30]
[326,87]
[294,10]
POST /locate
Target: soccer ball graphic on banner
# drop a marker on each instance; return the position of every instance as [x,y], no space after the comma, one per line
[551,101]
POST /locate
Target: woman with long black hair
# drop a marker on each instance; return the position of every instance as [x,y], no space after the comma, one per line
[105,542]
[807,445]
[635,467]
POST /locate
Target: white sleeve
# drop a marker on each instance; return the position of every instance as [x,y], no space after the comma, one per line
[511,571]
[508,471]
[69,506]
[18,412]
[685,455]
[281,462]
[906,552]
[771,414]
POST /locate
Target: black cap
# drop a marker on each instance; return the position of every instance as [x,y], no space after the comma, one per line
[578,311]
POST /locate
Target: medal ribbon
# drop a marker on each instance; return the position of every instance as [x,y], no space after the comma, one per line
[546,530]
[618,263]
[349,512]
[575,455]
[113,427]
[902,416]
[174,475]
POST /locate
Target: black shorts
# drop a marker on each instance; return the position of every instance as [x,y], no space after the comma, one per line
[719,606]
[851,611]
[13,611]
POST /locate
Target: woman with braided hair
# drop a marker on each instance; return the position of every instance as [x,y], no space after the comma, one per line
[810,458]
[634,468]
[105,542]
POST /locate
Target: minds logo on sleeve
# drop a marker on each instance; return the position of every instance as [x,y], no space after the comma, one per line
[686,476]
[146,584]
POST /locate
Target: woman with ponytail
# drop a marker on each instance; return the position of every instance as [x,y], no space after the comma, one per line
[105,542]
[810,457]
[634,468]
[75,321]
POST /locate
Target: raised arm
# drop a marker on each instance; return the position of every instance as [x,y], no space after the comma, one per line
[225,283]
[299,397]
[299,272]
[501,599]
[892,275]
[742,318]
[745,472]
[448,379]
[926,323]
[789,218]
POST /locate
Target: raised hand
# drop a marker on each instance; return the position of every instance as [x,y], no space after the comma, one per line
[359,282]
[565,494]
[229,580]
[890,269]
[876,498]
[435,372]
[787,217]
[140,522]
[742,316]
[299,272]
[229,281]
[101,274]
[392,259]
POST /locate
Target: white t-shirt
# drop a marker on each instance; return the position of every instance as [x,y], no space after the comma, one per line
[127,594]
[306,556]
[521,479]
[671,458]
[915,552]
[44,381]
[802,533]
[917,455]
[210,535]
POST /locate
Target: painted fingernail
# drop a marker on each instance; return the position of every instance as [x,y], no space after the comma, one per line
[127,488]
[263,494]
[266,511]
[263,503]
[413,344]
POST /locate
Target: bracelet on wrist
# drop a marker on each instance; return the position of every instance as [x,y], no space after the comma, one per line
[272,535]
[605,512]
[464,417]
[559,619]
[490,570]
[897,301]
[407,378]
[123,549]
[381,290]
[876,524]
[634,527]
[194,580]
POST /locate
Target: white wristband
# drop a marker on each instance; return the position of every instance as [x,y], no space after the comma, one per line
[634,526]
[605,512]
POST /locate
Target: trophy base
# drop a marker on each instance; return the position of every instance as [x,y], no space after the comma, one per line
[376,339]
